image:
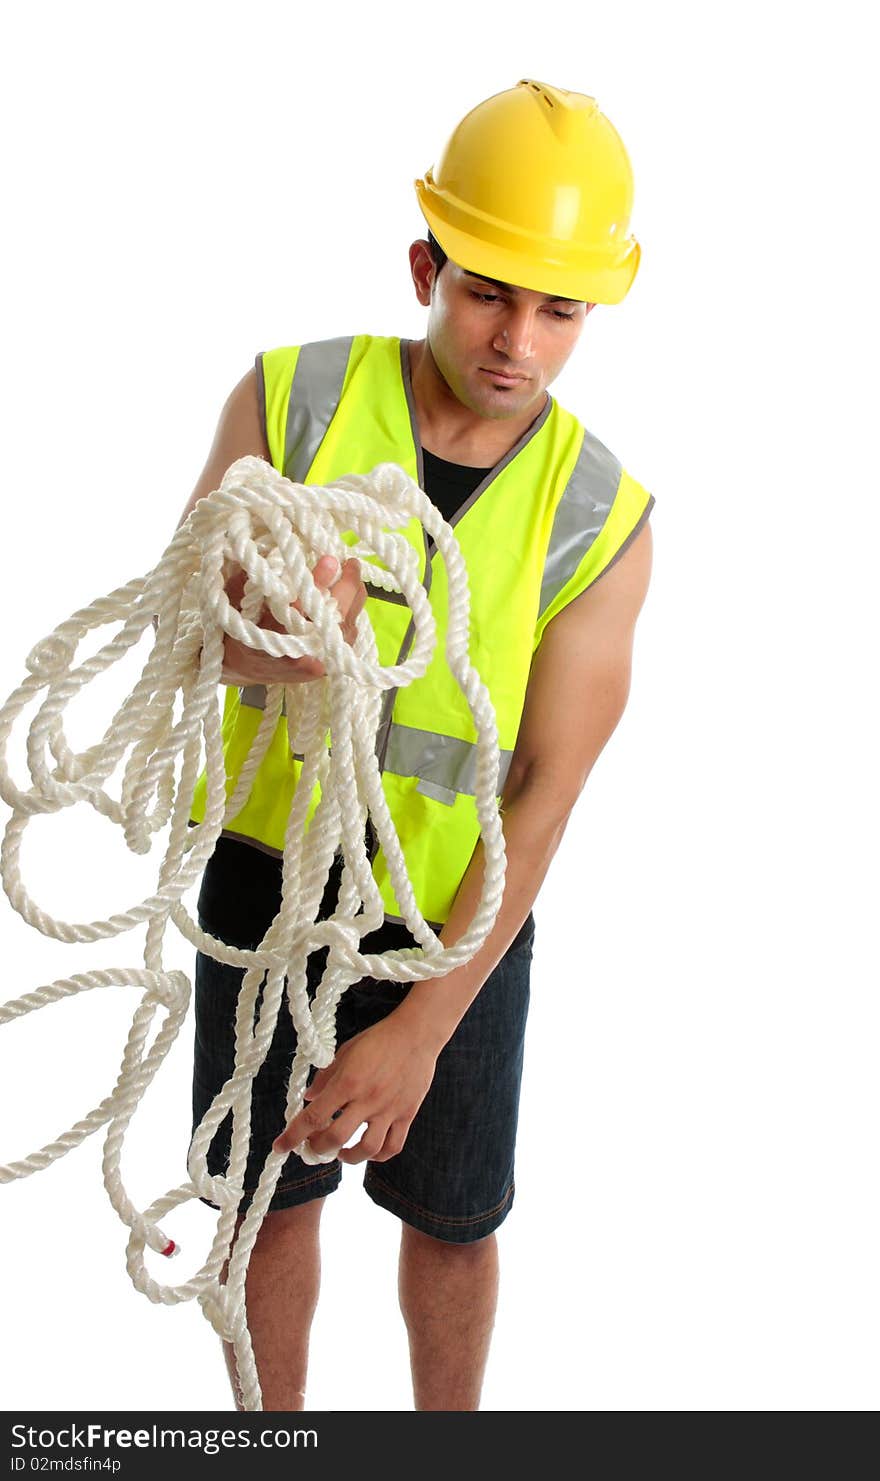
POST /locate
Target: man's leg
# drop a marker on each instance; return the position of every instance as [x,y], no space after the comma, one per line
[283,1280]
[448,1294]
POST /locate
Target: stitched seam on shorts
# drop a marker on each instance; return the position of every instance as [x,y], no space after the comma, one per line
[282,1188]
[325,1172]
[441,1218]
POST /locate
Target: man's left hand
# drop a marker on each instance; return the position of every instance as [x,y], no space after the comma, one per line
[379,1077]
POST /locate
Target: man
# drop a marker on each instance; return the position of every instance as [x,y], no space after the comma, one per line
[528,213]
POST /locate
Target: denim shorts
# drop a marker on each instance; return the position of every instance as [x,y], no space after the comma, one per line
[454,1176]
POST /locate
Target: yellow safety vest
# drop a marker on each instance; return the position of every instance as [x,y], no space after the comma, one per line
[542,525]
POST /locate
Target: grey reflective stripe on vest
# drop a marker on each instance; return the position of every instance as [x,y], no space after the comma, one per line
[444,764]
[314,397]
[580,515]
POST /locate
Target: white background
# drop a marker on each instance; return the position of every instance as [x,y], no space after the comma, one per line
[696,1209]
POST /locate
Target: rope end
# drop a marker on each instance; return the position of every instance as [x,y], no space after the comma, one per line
[50,656]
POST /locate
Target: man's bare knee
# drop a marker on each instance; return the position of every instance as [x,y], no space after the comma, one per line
[417,1242]
[283,1226]
[287,1223]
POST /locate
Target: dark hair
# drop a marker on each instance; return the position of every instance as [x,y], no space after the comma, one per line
[437,253]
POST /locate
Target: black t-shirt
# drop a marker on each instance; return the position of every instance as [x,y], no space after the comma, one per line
[241,887]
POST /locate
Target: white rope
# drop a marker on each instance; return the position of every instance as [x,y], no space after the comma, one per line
[276,531]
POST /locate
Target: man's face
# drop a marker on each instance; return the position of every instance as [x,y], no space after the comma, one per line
[497,346]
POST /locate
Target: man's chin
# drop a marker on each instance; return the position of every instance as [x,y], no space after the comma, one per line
[502,402]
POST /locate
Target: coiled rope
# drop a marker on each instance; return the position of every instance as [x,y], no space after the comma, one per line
[276,531]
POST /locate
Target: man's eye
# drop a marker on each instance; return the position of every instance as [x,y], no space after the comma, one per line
[486,297]
[561,314]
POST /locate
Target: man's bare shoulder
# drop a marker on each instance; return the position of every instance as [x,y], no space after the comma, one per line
[240,432]
[612,602]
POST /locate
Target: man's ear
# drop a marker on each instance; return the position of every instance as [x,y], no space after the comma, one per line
[421,265]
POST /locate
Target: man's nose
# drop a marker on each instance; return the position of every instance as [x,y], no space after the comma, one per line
[516,337]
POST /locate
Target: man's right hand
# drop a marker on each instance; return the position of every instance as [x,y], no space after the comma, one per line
[244,665]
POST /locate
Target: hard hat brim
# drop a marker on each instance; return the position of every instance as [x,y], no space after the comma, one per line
[583,282]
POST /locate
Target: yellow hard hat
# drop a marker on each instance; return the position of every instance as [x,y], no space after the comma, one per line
[535,188]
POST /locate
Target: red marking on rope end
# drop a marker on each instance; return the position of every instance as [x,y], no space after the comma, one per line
[169,1248]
